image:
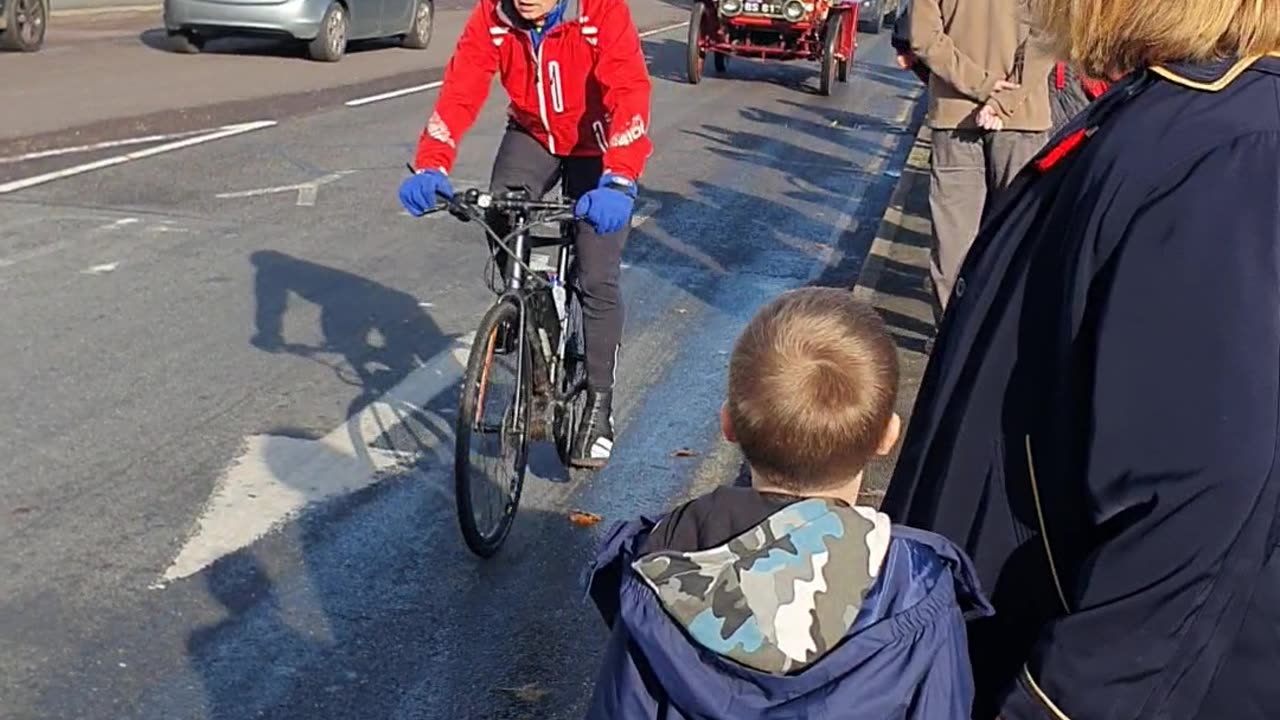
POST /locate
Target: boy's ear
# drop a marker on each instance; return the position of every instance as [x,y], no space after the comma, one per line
[726,423]
[892,432]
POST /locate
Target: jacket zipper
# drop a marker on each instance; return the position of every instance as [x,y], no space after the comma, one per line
[542,100]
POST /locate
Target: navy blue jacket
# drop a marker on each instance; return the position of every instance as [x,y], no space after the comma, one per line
[1099,423]
[904,656]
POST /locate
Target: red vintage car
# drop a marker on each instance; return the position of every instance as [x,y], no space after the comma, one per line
[819,30]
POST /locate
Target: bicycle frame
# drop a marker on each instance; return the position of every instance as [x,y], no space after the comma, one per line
[548,361]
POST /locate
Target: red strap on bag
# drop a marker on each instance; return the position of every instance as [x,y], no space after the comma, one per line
[1094,88]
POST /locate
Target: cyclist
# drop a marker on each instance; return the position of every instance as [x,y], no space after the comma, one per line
[579,114]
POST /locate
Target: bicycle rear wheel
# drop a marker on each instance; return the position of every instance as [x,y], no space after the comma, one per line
[492,433]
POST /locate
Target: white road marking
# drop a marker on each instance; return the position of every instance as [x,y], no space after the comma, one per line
[663,29]
[119,9]
[830,252]
[120,223]
[307,191]
[393,94]
[278,477]
[100,269]
[644,212]
[107,145]
[224,132]
[357,102]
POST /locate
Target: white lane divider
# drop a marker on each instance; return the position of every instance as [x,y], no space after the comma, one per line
[93,147]
[278,477]
[225,131]
[393,94]
[357,102]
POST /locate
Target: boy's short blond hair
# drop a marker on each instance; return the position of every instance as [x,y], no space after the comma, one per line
[812,384]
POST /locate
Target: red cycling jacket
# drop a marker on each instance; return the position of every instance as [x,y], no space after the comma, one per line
[584,92]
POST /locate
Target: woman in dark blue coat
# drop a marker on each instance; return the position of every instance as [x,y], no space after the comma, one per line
[1100,421]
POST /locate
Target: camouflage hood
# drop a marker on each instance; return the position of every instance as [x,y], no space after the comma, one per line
[766,599]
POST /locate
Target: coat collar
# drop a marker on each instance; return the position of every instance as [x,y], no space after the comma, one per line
[1217,75]
[508,16]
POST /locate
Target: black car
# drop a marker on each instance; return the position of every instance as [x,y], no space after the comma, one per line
[22,24]
[872,14]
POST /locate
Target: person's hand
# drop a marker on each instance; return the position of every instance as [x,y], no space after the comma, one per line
[608,207]
[905,60]
[1003,85]
[418,192]
[989,118]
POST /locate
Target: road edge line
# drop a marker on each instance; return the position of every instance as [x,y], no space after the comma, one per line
[867,284]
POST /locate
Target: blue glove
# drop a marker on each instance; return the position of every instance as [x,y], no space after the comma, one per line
[608,207]
[418,191]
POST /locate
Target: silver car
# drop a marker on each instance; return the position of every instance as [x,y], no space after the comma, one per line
[326,25]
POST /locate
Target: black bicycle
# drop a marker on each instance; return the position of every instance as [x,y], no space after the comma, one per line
[532,334]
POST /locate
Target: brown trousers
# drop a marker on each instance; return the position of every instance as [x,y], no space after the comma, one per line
[969,168]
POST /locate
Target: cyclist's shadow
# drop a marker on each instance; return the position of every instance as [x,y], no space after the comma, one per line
[380,334]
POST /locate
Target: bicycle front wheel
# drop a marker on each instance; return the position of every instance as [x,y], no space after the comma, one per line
[491,448]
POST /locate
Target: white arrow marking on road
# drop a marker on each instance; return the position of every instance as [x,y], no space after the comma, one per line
[277,477]
[306,191]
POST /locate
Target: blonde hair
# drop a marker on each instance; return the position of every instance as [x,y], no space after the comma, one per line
[812,384]
[1108,38]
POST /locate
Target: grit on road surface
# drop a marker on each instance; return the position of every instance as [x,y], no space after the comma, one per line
[194,526]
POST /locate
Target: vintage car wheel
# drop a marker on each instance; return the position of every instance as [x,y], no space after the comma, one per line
[721,62]
[696,55]
[24,24]
[419,35]
[830,64]
[330,43]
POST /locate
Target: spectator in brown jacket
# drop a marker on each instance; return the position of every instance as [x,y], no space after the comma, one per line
[986,123]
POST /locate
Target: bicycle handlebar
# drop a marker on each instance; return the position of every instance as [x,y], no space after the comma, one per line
[470,204]
[476,198]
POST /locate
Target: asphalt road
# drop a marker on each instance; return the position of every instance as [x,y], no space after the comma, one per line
[227,490]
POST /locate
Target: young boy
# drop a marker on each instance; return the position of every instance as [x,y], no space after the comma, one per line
[787,599]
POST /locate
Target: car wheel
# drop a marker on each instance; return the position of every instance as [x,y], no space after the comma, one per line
[25,22]
[419,35]
[830,64]
[693,48]
[185,42]
[872,19]
[331,43]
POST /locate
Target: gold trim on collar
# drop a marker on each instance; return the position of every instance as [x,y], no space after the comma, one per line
[1217,85]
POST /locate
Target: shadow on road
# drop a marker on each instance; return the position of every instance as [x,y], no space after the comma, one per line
[381,334]
[393,617]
